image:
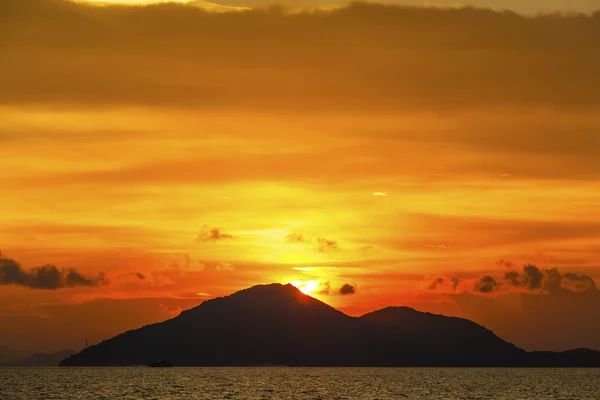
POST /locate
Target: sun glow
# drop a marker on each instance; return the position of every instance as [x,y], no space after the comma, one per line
[306,287]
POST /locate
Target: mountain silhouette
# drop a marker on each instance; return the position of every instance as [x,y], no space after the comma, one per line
[16,358]
[45,360]
[416,338]
[278,325]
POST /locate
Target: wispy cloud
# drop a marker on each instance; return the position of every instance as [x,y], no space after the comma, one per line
[444,282]
[295,238]
[325,245]
[224,267]
[213,235]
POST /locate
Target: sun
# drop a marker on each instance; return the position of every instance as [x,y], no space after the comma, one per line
[306,287]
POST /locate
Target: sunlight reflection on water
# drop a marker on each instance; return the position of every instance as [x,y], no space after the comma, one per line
[297,383]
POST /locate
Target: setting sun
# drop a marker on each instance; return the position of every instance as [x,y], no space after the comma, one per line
[306,287]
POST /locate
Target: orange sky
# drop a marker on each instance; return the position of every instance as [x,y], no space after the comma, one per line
[171,155]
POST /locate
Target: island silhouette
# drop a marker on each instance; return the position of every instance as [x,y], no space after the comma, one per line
[276,324]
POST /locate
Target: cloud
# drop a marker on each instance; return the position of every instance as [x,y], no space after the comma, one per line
[44,277]
[212,235]
[348,289]
[578,283]
[169,312]
[325,245]
[484,67]
[444,282]
[505,263]
[139,275]
[324,288]
[224,267]
[554,281]
[380,194]
[468,232]
[295,238]
[486,284]
[550,280]
[440,246]
[531,278]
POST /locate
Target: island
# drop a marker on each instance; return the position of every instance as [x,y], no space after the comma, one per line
[277,324]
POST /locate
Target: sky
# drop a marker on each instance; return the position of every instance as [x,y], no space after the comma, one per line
[155,157]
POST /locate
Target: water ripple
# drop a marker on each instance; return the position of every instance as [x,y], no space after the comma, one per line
[297,383]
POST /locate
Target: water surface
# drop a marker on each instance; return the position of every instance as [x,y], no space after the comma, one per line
[297,383]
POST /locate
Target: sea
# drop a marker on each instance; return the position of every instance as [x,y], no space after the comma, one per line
[298,383]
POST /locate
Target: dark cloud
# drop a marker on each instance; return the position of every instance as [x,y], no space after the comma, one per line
[139,275]
[450,281]
[44,277]
[324,245]
[486,284]
[213,235]
[506,264]
[569,281]
[531,278]
[80,54]
[295,238]
[551,280]
[348,289]
[578,282]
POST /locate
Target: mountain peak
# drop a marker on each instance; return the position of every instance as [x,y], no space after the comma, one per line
[271,289]
[269,300]
[274,292]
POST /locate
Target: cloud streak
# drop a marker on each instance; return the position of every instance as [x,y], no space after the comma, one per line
[94,46]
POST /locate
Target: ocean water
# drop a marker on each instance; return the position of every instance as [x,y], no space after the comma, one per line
[297,383]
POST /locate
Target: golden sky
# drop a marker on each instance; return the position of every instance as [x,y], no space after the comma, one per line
[153,157]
